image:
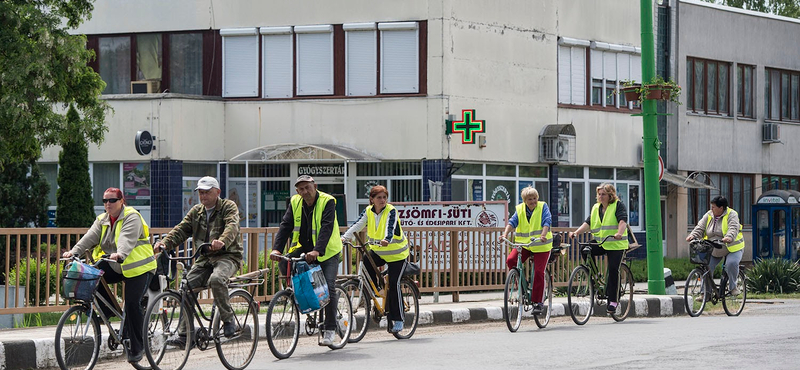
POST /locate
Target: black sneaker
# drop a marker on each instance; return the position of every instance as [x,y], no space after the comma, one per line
[229,329]
[612,307]
[538,308]
[135,358]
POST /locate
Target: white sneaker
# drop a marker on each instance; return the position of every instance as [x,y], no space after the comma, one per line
[735,291]
[327,338]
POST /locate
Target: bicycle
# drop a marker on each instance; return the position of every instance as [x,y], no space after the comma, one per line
[78,347]
[586,287]
[283,317]
[695,295]
[173,314]
[370,298]
[518,290]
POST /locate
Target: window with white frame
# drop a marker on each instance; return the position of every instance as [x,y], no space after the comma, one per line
[361,59]
[239,62]
[572,71]
[314,60]
[399,57]
[610,66]
[278,61]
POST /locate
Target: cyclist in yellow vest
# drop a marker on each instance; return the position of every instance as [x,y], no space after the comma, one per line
[388,246]
[722,222]
[122,234]
[532,221]
[608,217]
[311,222]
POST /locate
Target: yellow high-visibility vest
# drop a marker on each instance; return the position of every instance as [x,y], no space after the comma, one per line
[397,250]
[141,258]
[529,230]
[334,246]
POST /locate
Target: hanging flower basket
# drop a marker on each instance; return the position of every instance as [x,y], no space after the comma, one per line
[658,92]
[658,89]
[631,93]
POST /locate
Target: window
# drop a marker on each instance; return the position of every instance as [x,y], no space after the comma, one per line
[571,73]
[104,176]
[278,59]
[779,183]
[361,59]
[239,62]
[148,56]
[115,64]
[399,57]
[186,63]
[709,90]
[782,95]
[744,87]
[738,189]
[314,60]
[50,172]
[608,69]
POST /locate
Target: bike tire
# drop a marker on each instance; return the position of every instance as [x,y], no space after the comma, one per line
[74,350]
[580,295]
[165,315]
[734,305]
[694,294]
[409,295]
[283,324]
[236,352]
[512,297]
[344,319]
[547,299]
[625,304]
[362,308]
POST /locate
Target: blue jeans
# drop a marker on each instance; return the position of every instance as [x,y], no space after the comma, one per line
[731,266]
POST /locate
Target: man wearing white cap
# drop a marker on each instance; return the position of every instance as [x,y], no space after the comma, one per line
[321,245]
[216,221]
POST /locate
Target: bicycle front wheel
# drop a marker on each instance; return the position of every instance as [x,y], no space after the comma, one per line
[237,351]
[734,304]
[694,295]
[625,303]
[410,304]
[512,305]
[168,335]
[283,324]
[543,318]
[580,295]
[344,319]
[362,306]
[77,342]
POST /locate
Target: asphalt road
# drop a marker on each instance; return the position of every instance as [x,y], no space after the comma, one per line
[765,336]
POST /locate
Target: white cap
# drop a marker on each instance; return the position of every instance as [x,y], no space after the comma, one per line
[206,183]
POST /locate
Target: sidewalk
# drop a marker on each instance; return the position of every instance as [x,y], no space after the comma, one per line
[33,348]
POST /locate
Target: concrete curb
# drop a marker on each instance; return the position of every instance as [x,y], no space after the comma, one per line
[37,353]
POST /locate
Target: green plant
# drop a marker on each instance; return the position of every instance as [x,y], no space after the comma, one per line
[658,84]
[33,273]
[774,276]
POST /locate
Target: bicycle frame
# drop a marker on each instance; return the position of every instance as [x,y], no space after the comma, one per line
[598,279]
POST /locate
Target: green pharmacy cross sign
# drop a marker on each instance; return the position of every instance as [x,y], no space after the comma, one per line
[468,126]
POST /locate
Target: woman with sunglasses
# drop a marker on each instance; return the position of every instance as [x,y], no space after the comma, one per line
[122,234]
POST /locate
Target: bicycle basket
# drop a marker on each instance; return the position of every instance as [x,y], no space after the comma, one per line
[700,252]
[80,281]
[411,269]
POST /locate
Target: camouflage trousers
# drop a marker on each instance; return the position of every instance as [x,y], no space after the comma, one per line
[215,275]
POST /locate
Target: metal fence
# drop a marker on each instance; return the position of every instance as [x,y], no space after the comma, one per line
[451,260]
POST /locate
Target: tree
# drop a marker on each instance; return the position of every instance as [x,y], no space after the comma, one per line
[786,8]
[43,70]
[23,195]
[75,207]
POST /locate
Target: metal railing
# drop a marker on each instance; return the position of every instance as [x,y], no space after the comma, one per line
[452,259]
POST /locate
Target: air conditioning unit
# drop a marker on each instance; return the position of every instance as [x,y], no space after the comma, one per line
[771,133]
[145,86]
[554,149]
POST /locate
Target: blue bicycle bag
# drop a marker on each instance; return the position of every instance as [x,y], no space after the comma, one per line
[310,287]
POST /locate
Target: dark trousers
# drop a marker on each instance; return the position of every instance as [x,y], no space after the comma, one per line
[134,312]
[330,268]
[393,290]
[612,277]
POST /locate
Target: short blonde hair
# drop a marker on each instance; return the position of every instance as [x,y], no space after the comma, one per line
[528,192]
[610,190]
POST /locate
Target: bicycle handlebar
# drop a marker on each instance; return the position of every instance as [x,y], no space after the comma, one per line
[201,249]
[595,242]
[716,243]
[292,259]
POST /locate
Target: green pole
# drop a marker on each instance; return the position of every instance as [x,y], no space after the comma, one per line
[652,203]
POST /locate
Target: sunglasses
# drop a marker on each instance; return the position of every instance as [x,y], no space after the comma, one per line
[112,200]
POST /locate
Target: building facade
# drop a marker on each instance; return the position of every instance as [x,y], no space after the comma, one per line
[436,99]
